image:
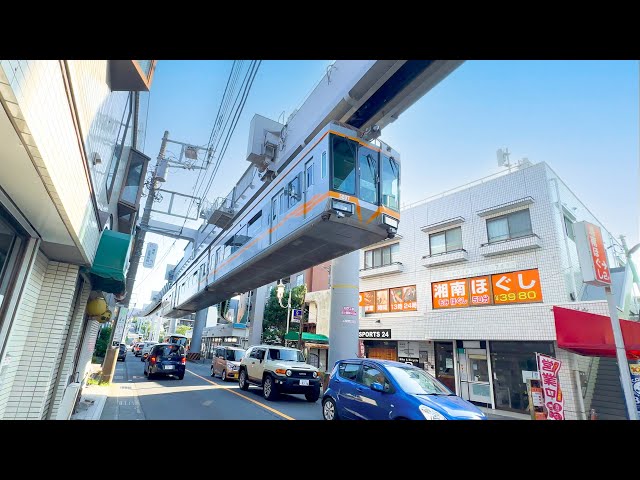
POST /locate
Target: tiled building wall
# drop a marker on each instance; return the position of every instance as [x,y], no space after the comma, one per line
[41,93]
[38,337]
[73,344]
[502,322]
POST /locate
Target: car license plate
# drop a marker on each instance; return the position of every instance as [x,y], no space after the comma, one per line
[304,382]
[168,367]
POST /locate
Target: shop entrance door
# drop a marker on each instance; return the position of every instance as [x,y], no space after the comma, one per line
[444,364]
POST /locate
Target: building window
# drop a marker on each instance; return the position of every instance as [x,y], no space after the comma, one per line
[299,280]
[11,244]
[568,228]
[445,242]
[121,140]
[507,227]
[381,257]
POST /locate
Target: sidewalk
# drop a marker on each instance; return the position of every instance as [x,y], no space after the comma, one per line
[91,403]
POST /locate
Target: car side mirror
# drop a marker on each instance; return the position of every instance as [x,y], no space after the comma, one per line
[377,387]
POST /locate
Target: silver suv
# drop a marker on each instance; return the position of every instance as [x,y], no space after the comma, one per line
[279,370]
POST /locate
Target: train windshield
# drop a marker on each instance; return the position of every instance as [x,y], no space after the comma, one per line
[344,165]
[390,183]
[368,166]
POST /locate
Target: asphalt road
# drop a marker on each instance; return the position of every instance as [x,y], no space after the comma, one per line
[197,397]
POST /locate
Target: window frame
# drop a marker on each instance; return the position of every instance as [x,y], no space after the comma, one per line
[567,221]
[446,244]
[372,254]
[506,217]
[119,143]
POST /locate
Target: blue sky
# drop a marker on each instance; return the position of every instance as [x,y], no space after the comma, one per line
[581,117]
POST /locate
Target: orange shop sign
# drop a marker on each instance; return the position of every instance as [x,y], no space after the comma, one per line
[399,299]
[592,254]
[522,286]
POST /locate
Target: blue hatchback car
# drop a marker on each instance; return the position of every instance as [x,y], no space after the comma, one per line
[370,389]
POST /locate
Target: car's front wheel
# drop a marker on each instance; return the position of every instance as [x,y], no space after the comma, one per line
[213,373]
[269,388]
[242,380]
[223,375]
[312,395]
[329,410]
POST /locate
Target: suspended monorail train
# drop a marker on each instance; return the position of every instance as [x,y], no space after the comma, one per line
[339,194]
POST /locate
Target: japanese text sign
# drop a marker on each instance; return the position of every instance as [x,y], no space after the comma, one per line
[399,299]
[548,368]
[635,381]
[367,300]
[452,293]
[516,287]
[592,254]
[522,286]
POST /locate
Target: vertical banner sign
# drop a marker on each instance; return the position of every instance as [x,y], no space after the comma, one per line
[635,381]
[120,324]
[548,368]
[150,255]
[591,254]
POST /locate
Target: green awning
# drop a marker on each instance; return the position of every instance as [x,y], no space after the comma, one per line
[110,265]
[307,337]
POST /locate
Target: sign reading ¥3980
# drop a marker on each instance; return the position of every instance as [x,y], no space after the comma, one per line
[522,286]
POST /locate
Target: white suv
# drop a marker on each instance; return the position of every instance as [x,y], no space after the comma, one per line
[279,370]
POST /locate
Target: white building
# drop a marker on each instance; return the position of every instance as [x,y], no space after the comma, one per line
[71,176]
[466,288]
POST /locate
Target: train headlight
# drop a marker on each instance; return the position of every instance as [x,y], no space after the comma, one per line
[344,207]
[390,221]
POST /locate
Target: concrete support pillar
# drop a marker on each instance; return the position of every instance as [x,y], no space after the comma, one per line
[343,322]
[257,315]
[198,326]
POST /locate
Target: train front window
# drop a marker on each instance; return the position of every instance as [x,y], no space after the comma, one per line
[344,165]
[368,166]
[390,183]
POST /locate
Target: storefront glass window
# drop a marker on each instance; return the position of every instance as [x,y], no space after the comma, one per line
[510,363]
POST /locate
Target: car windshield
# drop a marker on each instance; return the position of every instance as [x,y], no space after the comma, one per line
[286,355]
[234,355]
[417,382]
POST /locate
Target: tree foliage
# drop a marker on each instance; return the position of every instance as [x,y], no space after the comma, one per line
[274,325]
[182,329]
[103,341]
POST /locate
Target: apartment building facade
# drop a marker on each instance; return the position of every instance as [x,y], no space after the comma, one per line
[71,178]
[467,287]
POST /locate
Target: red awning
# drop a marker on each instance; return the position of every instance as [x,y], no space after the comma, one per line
[589,334]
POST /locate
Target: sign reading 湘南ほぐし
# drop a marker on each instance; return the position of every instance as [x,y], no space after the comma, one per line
[592,254]
[522,286]
[450,294]
[398,299]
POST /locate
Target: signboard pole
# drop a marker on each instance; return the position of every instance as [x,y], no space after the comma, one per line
[621,354]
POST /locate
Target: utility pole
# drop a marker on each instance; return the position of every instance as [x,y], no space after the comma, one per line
[144,223]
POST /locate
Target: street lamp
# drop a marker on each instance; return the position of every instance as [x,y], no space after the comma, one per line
[280,294]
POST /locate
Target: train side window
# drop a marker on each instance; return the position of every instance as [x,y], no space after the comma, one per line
[343,154]
[324,164]
[254,225]
[294,191]
[309,171]
[274,208]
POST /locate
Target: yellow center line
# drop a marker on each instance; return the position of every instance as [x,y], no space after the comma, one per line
[228,389]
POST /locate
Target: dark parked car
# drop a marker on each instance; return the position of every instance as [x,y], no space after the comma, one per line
[122,352]
[370,389]
[165,359]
